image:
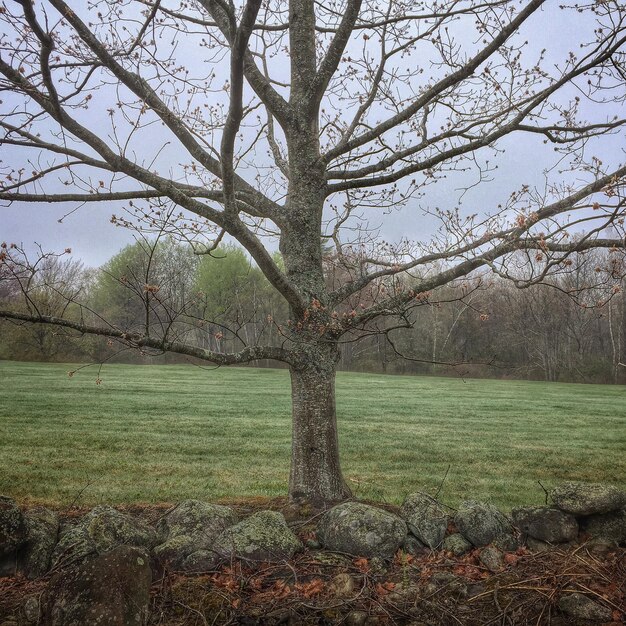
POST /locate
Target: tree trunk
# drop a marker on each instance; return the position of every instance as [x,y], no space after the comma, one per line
[315,469]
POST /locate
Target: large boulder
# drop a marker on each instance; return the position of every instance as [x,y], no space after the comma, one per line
[111,588]
[191,527]
[608,526]
[263,536]
[546,523]
[587,498]
[426,518]
[13,529]
[35,556]
[361,530]
[102,529]
[481,523]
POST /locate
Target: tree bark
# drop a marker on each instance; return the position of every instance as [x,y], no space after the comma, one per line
[315,469]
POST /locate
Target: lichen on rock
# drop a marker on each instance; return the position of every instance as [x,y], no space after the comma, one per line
[362,530]
[481,523]
[35,556]
[102,529]
[190,527]
[426,518]
[112,588]
[263,536]
[13,529]
[587,498]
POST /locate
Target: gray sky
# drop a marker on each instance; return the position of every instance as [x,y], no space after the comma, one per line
[94,239]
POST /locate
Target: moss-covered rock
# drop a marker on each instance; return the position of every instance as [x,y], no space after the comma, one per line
[457,544]
[109,528]
[173,552]
[112,589]
[426,518]
[35,556]
[263,536]
[193,517]
[201,561]
[481,523]
[191,527]
[74,545]
[361,530]
[13,529]
[588,498]
[102,529]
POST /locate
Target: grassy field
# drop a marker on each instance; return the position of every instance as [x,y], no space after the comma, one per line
[165,433]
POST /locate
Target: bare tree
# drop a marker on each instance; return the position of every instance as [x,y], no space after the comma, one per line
[328,111]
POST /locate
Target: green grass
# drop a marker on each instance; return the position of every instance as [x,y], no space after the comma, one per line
[165,433]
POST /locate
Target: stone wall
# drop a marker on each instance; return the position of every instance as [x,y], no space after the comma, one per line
[99,567]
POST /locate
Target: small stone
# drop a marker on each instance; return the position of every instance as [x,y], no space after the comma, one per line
[457,544]
[481,523]
[588,498]
[342,586]
[200,562]
[311,544]
[546,523]
[31,610]
[356,618]
[580,607]
[492,558]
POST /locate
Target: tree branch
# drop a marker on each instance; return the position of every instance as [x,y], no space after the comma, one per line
[137,340]
[430,94]
[330,62]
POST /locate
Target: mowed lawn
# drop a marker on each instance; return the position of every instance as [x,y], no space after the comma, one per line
[165,433]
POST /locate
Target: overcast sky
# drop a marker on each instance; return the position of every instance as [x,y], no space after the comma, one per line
[94,239]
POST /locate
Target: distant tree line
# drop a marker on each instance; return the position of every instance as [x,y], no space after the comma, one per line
[481,326]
